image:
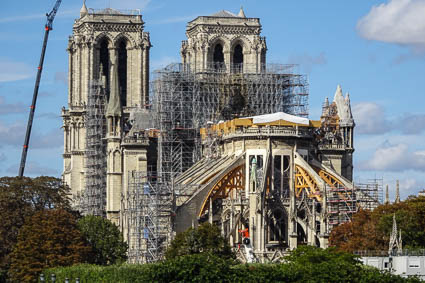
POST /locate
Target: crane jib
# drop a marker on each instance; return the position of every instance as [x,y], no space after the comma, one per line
[48,28]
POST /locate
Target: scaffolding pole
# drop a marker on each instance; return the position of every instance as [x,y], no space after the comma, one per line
[147,211]
[93,198]
[184,101]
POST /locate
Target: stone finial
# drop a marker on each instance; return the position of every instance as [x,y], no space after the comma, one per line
[344,108]
[83,10]
[326,102]
[395,240]
[348,105]
[338,93]
[241,13]
[325,107]
[387,195]
[397,192]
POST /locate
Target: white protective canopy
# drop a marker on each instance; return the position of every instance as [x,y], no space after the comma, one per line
[267,118]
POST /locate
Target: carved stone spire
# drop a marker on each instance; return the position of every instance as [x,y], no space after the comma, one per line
[344,108]
[83,10]
[387,195]
[395,240]
[241,13]
[348,106]
[397,192]
[325,108]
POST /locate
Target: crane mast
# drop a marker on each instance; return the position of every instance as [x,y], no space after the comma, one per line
[47,28]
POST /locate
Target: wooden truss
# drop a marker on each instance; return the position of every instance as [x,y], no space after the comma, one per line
[234,179]
[305,182]
[335,184]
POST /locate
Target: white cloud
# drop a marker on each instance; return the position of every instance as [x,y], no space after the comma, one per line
[408,184]
[13,135]
[34,169]
[2,157]
[14,71]
[51,139]
[162,62]
[398,21]
[370,118]
[307,62]
[395,158]
[9,108]
[412,124]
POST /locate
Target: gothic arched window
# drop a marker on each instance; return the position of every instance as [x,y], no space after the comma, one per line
[218,57]
[104,60]
[238,58]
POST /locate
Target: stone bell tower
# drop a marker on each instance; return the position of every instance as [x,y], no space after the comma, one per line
[224,41]
[102,39]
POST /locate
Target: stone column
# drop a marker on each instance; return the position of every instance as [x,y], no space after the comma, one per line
[70,76]
[145,96]
[292,221]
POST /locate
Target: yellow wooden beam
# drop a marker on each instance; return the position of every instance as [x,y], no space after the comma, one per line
[223,187]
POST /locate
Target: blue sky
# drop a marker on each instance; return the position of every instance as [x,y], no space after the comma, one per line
[374,49]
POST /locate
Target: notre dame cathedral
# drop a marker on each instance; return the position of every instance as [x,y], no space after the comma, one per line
[221,137]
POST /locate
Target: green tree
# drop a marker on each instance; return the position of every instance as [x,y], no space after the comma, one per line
[105,239]
[205,239]
[21,198]
[370,230]
[49,238]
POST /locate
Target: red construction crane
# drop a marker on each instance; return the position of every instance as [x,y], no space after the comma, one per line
[47,28]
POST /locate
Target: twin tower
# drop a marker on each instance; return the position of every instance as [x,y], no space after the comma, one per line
[108,80]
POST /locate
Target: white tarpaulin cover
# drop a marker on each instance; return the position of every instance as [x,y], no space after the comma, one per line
[267,118]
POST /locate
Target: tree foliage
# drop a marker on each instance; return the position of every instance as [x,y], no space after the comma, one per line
[204,239]
[370,230]
[49,238]
[305,264]
[105,239]
[21,197]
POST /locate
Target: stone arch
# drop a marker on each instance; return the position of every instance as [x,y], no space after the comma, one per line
[116,160]
[277,221]
[102,44]
[102,36]
[239,49]
[213,43]
[243,41]
[120,37]
[217,39]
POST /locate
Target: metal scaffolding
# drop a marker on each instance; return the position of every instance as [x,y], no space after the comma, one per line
[93,198]
[370,193]
[343,202]
[184,101]
[147,214]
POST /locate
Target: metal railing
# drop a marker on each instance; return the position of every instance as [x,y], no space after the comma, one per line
[110,11]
